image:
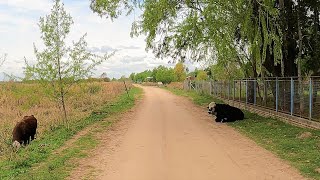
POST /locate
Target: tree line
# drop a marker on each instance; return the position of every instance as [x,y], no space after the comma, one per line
[167,75]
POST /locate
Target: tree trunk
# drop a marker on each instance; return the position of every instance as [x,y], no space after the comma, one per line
[282,18]
[316,31]
[62,90]
[301,98]
[63,106]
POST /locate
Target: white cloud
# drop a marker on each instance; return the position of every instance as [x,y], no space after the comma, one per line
[19,30]
[129,47]
[102,49]
[28,5]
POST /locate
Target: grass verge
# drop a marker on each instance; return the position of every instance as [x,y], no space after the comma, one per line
[298,146]
[23,164]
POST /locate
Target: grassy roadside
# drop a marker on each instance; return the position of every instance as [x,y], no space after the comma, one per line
[23,164]
[298,146]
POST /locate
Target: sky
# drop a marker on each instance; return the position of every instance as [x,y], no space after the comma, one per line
[19,31]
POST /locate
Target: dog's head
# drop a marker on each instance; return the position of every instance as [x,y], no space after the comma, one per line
[211,107]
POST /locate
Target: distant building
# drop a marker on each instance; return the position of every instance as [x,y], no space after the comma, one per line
[190,78]
[148,79]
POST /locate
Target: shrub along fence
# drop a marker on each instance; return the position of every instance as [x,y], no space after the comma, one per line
[290,95]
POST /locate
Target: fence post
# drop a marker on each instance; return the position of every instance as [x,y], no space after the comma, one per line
[240,91]
[220,87]
[213,88]
[292,96]
[216,88]
[246,91]
[196,86]
[264,92]
[255,92]
[234,89]
[225,89]
[277,93]
[202,87]
[228,90]
[210,84]
[310,98]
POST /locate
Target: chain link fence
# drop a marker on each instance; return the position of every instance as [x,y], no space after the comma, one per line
[294,96]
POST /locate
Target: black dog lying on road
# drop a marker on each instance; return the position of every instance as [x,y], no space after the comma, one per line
[225,112]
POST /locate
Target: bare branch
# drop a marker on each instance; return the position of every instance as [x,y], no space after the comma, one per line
[3,59]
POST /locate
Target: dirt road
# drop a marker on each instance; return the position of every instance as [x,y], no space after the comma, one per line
[166,137]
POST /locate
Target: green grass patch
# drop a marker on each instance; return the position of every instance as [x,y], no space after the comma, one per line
[199,99]
[299,146]
[23,164]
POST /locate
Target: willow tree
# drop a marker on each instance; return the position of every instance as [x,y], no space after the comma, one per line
[59,66]
[239,33]
[242,32]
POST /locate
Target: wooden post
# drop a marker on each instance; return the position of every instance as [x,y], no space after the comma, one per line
[125,85]
[310,98]
[292,97]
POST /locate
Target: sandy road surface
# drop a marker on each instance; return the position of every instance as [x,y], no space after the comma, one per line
[166,137]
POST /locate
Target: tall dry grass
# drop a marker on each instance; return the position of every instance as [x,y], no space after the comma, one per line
[176,85]
[20,99]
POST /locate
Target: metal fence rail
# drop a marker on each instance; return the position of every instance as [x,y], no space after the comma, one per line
[295,96]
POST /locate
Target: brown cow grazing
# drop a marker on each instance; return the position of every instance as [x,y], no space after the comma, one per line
[24,130]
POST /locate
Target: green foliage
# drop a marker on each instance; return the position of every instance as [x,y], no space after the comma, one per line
[194,73]
[199,99]
[132,75]
[161,74]
[104,77]
[58,66]
[113,9]
[180,72]
[123,78]
[202,75]
[165,75]
[142,76]
[225,71]
[260,37]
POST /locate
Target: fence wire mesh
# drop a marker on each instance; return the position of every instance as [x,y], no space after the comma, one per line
[292,95]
